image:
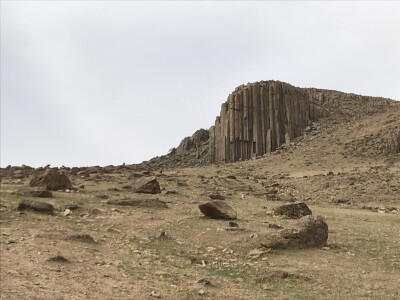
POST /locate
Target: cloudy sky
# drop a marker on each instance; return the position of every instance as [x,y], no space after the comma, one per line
[98,83]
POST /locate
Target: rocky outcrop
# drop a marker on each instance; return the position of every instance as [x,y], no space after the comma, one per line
[42,207]
[257,118]
[51,180]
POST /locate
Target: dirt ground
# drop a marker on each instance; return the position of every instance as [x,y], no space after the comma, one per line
[335,169]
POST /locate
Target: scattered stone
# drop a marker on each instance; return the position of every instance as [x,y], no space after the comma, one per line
[204,281]
[218,210]
[233,224]
[163,236]
[58,258]
[201,292]
[34,192]
[67,212]
[102,196]
[147,185]
[36,206]
[216,196]
[231,177]
[155,294]
[139,202]
[292,211]
[51,180]
[113,189]
[310,232]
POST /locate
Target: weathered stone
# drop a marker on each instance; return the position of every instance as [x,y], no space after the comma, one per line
[34,192]
[218,210]
[51,180]
[293,210]
[310,232]
[36,206]
[147,185]
[139,202]
[258,118]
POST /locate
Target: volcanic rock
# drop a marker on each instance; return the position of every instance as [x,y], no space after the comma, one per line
[147,185]
[218,210]
[310,232]
[293,210]
[51,180]
[34,192]
[36,206]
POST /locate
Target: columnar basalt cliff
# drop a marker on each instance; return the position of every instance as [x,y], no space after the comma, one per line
[257,118]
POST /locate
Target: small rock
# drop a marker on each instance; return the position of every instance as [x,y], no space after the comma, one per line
[233,224]
[36,206]
[293,210]
[216,196]
[201,292]
[66,212]
[155,294]
[218,210]
[231,177]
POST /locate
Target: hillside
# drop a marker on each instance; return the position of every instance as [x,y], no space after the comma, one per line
[344,164]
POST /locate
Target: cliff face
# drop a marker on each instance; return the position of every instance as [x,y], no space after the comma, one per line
[257,118]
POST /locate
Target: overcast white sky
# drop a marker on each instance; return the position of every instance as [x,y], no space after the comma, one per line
[98,83]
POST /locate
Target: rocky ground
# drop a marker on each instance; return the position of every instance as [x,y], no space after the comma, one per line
[91,247]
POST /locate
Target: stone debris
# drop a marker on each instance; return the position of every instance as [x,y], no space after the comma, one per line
[34,192]
[292,211]
[218,210]
[51,180]
[42,207]
[139,202]
[147,185]
[310,232]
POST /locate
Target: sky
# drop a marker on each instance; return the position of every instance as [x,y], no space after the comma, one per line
[88,83]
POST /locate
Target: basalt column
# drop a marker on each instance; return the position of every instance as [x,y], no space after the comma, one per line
[257,118]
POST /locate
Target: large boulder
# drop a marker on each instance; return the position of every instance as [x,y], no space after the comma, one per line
[310,232]
[42,207]
[292,210]
[34,192]
[51,180]
[147,185]
[218,210]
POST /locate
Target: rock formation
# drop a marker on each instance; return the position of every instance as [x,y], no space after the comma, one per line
[257,118]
